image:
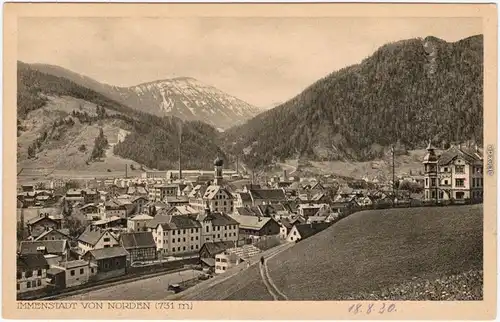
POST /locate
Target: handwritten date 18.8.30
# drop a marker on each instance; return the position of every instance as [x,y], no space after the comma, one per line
[372,308]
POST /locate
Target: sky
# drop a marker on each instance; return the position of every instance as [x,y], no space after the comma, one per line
[262,61]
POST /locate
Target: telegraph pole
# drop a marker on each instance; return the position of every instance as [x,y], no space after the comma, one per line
[393,174]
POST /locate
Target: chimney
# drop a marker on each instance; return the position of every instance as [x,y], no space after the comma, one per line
[284,175]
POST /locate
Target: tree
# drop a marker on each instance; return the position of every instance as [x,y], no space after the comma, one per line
[75,226]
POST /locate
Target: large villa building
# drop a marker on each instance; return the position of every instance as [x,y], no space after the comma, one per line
[456,174]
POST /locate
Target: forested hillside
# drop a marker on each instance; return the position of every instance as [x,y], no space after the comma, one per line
[407,92]
[151,141]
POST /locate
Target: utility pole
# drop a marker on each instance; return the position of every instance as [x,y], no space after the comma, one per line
[180,143]
[393,174]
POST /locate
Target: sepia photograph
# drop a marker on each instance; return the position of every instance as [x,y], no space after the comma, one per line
[251,158]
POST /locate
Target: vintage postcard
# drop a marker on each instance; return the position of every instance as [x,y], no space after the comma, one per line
[250,161]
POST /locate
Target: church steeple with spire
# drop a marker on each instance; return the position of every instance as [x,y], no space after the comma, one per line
[218,164]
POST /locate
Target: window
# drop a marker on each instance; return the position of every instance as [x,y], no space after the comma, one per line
[433,182]
[178,240]
[218,235]
[191,247]
[39,272]
[441,194]
[460,182]
[426,182]
[225,235]
[184,231]
[173,232]
[39,283]
[216,203]
[184,248]
[173,240]
[445,182]
[459,194]
[72,272]
[184,239]
[106,246]
[196,237]
[173,249]
[224,203]
[28,284]
[196,246]
[207,229]
[81,271]
[29,274]
[106,239]
[92,270]
[191,230]
[295,233]
[460,169]
[223,268]
[192,238]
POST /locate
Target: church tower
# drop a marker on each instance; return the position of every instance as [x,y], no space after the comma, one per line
[218,163]
[430,174]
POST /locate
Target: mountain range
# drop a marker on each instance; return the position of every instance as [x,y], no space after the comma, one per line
[60,123]
[406,93]
[182,97]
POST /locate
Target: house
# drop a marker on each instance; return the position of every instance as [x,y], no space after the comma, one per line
[303,231]
[76,272]
[182,211]
[91,210]
[267,196]
[91,196]
[137,191]
[138,222]
[285,227]
[43,222]
[209,250]
[139,203]
[119,207]
[316,219]
[161,191]
[234,256]
[139,245]
[110,261]
[31,272]
[457,174]
[114,222]
[53,234]
[59,248]
[216,226]
[73,196]
[242,199]
[93,238]
[307,210]
[173,201]
[218,198]
[256,226]
[175,235]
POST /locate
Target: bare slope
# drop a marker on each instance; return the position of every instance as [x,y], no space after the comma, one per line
[372,251]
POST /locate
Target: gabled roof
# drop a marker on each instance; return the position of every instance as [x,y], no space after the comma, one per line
[286,222]
[244,252]
[251,222]
[108,252]
[217,219]
[469,155]
[158,219]
[180,222]
[141,217]
[91,236]
[212,190]
[137,240]
[198,191]
[215,248]
[75,263]
[183,210]
[307,230]
[245,196]
[50,246]
[31,262]
[176,199]
[268,194]
[35,220]
[63,231]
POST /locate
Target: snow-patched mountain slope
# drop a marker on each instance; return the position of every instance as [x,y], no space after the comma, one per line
[184,97]
[188,99]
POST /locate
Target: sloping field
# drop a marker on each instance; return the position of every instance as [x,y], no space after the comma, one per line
[373,250]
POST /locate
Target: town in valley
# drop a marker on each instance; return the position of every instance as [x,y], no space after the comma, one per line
[364,184]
